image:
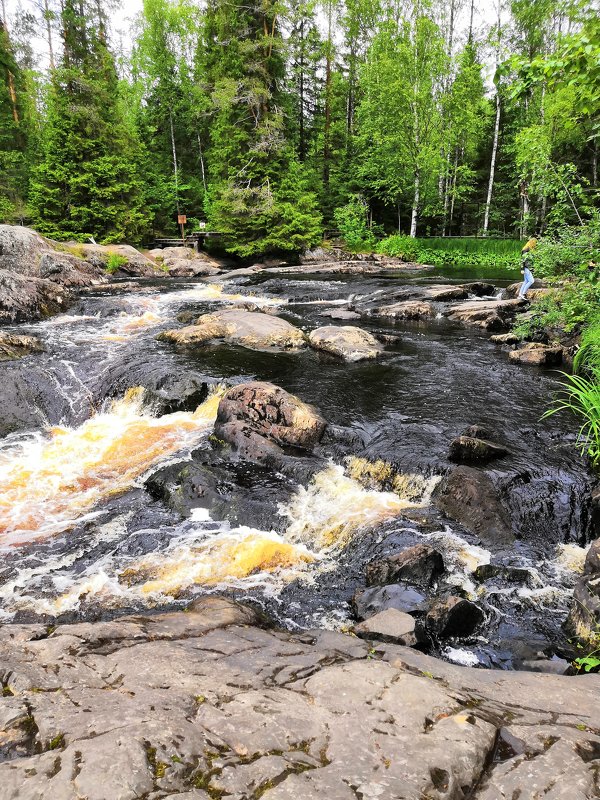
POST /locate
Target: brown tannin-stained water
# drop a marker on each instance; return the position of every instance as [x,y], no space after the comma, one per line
[93,522]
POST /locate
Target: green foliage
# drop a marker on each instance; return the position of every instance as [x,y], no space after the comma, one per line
[88,180]
[582,397]
[114,262]
[443,252]
[352,222]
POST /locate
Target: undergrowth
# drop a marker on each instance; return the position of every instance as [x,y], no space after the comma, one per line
[442,252]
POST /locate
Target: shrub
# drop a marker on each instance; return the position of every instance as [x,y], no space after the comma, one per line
[352,221]
[114,262]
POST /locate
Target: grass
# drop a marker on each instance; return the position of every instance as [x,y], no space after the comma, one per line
[582,396]
[114,262]
[442,252]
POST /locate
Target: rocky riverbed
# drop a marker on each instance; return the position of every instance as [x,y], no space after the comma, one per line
[343,447]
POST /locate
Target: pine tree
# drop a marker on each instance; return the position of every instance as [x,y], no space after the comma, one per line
[252,167]
[13,139]
[88,181]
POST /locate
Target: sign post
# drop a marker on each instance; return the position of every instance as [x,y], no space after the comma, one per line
[182,219]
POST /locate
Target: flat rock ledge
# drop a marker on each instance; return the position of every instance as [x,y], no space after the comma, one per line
[203,704]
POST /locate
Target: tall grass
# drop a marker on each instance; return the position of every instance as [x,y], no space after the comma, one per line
[498,247]
[581,392]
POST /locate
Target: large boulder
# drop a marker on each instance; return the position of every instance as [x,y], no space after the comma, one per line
[131,261]
[14,346]
[420,565]
[538,355]
[249,329]
[469,497]
[24,298]
[185,262]
[491,315]
[347,341]
[259,419]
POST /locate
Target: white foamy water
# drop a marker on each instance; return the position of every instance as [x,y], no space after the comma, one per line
[322,519]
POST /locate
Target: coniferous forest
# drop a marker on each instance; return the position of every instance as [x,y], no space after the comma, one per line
[277,121]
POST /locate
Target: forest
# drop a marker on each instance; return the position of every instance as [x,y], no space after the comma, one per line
[277,121]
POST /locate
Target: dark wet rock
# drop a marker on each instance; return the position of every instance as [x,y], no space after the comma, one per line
[467,449]
[368,602]
[477,432]
[259,419]
[453,616]
[390,625]
[13,346]
[172,392]
[595,511]
[241,493]
[492,315]
[420,565]
[470,497]
[537,354]
[505,572]
[347,342]
[256,331]
[206,698]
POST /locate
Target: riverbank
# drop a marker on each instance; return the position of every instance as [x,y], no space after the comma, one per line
[205,703]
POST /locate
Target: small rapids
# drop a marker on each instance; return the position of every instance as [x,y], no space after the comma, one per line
[83,537]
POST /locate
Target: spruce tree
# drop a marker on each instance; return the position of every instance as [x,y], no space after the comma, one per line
[88,182]
[13,139]
[259,198]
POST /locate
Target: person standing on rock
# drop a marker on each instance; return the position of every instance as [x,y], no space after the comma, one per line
[526,265]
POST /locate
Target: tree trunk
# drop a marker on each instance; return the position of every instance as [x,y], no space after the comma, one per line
[595,163]
[328,69]
[415,207]
[301,143]
[47,17]
[202,166]
[453,190]
[488,202]
[175,167]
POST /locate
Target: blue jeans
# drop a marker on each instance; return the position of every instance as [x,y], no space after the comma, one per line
[527,283]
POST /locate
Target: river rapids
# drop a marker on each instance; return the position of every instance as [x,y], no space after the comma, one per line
[95,427]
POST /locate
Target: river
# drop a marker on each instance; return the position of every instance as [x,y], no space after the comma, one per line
[89,527]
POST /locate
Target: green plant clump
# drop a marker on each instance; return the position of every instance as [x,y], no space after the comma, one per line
[442,252]
[114,262]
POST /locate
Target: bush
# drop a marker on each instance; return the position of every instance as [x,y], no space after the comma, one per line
[352,221]
[114,262]
[403,247]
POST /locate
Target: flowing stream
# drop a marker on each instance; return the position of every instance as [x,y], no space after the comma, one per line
[93,429]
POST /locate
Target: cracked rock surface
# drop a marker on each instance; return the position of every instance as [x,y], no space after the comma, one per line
[203,703]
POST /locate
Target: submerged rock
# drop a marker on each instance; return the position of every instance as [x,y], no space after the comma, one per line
[468,496]
[257,419]
[348,342]
[537,354]
[246,328]
[340,313]
[420,565]
[453,616]
[390,625]
[14,346]
[467,449]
